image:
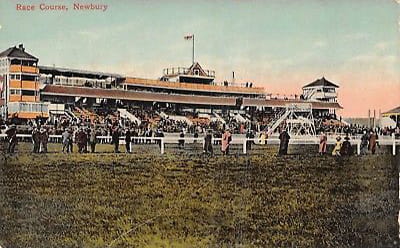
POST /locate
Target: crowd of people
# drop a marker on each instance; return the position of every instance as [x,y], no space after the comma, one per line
[84,131]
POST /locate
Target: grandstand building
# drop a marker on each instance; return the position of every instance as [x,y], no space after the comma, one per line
[30,90]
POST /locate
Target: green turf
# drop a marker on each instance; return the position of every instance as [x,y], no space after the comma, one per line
[186,199]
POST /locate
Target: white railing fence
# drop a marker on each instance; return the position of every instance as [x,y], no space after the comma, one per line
[299,140]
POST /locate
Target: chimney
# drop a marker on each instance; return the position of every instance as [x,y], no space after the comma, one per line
[21,47]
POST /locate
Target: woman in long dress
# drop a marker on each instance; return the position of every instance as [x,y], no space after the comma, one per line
[338,146]
[322,143]
[226,139]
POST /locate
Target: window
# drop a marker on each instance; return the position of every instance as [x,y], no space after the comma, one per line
[15,92]
[28,92]
[196,72]
[15,77]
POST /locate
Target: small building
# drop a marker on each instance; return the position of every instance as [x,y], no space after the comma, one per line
[393,114]
[194,74]
[320,90]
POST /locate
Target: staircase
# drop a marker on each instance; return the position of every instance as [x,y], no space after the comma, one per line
[126,114]
[219,118]
[277,122]
[70,114]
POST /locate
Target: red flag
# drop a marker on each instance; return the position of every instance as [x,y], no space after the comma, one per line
[188,37]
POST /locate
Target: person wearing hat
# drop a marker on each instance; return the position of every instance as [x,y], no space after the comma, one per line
[225,142]
[263,137]
[128,140]
[373,142]
[322,143]
[70,147]
[159,133]
[93,139]
[284,138]
[36,140]
[115,139]
[249,135]
[11,133]
[181,141]
[346,149]
[66,136]
[364,143]
[44,137]
[338,146]
[208,142]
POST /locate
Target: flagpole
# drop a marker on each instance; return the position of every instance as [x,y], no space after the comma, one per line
[193,50]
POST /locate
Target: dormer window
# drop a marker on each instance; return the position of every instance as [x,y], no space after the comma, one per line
[196,72]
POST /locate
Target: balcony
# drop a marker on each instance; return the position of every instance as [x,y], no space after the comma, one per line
[24,68]
[29,85]
[194,87]
[175,71]
[324,95]
[28,110]
[22,98]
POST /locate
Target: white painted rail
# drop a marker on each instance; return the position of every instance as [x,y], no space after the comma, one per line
[162,141]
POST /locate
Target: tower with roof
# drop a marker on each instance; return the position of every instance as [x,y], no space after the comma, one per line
[20,86]
[320,90]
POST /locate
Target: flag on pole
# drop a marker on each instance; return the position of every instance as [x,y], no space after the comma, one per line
[188,37]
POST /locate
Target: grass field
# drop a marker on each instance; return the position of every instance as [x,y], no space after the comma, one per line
[186,199]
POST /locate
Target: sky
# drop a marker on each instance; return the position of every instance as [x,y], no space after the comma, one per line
[281,45]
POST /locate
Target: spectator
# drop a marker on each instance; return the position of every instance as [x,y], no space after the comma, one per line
[36,140]
[338,146]
[181,142]
[93,140]
[284,142]
[128,137]
[364,143]
[115,139]
[322,143]
[373,142]
[346,149]
[225,142]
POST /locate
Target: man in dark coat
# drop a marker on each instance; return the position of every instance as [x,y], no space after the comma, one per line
[115,139]
[364,143]
[93,139]
[81,140]
[128,140]
[181,142]
[373,142]
[36,140]
[346,149]
[249,135]
[12,138]
[208,142]
[159,134]
[284,142]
